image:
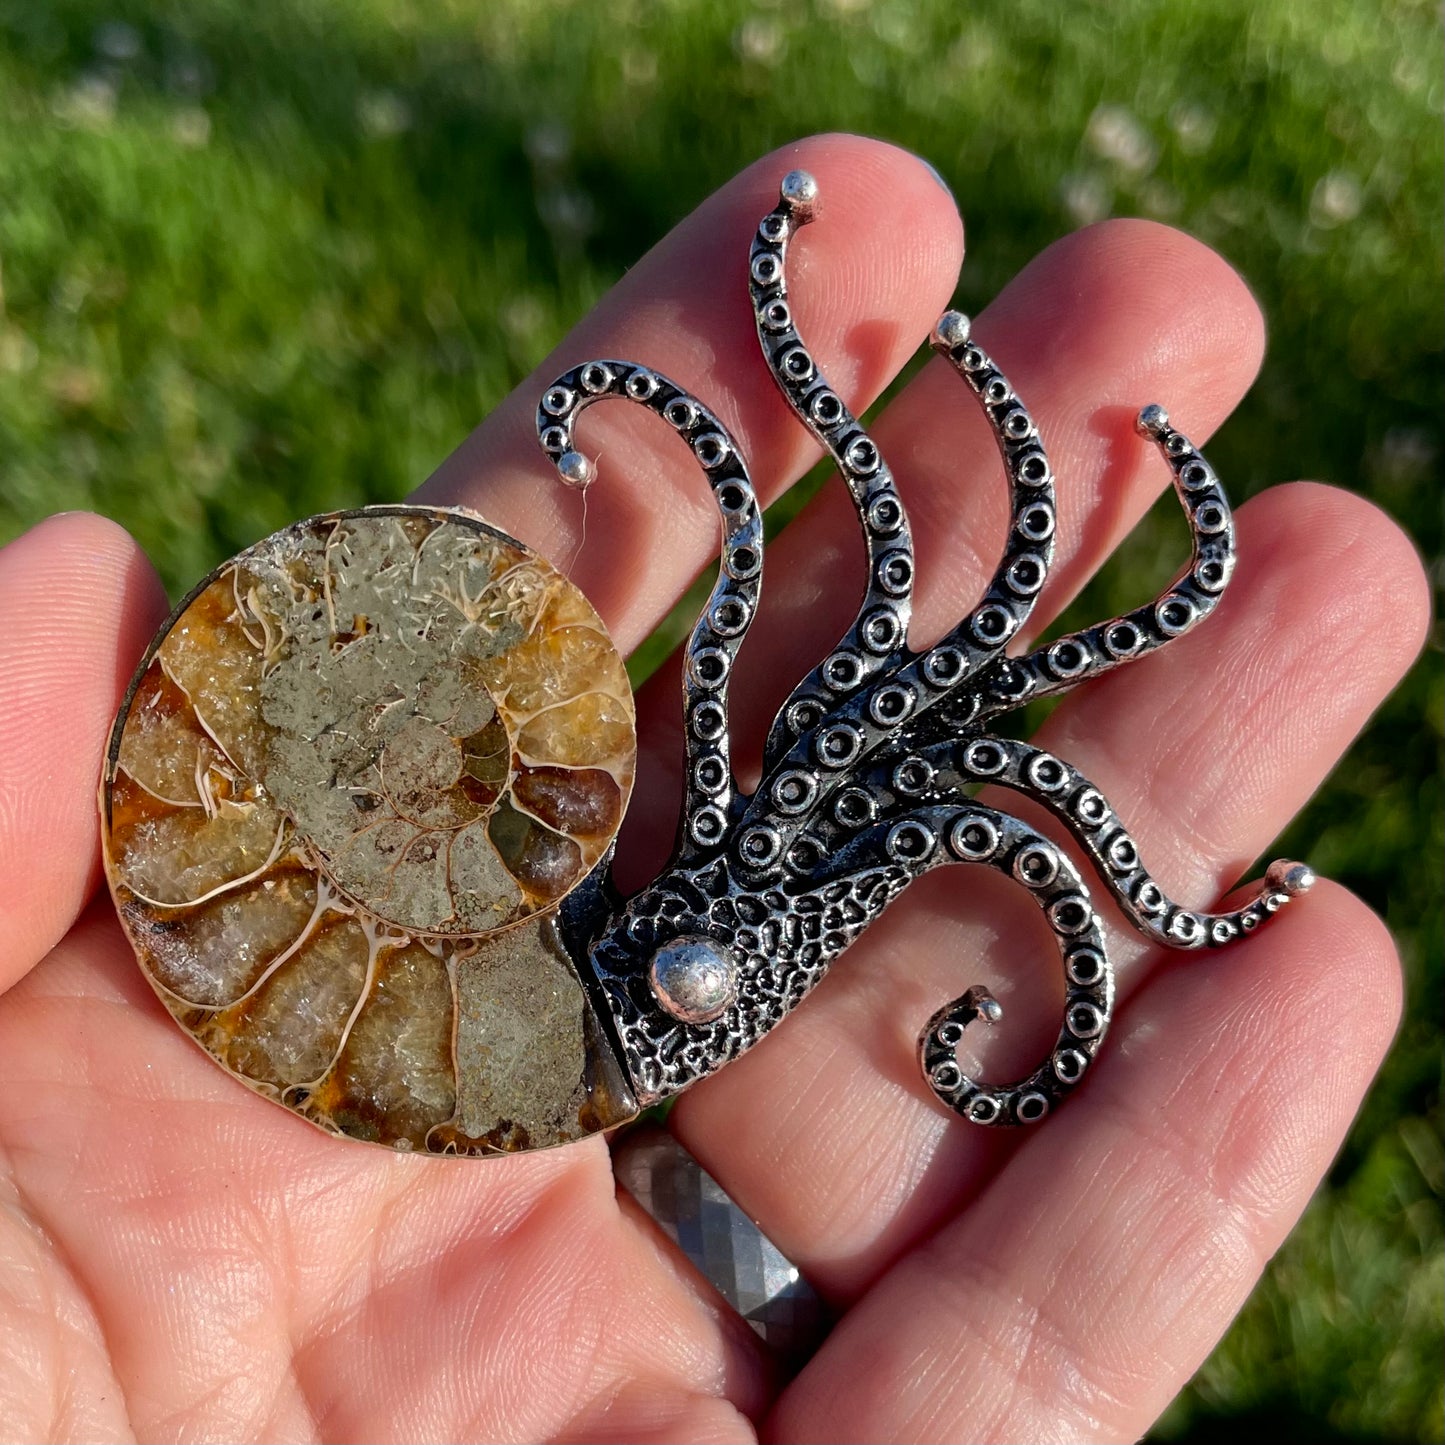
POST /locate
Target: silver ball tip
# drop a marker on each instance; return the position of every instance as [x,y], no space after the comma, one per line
[983,1004]
[1153,420]
[952,329]
[1291,878]
[576,471]
[799,190]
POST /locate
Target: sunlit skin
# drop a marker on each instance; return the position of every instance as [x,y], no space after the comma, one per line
[180,1259]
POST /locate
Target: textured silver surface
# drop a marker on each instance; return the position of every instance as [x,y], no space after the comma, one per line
[723,1244]
[871,763]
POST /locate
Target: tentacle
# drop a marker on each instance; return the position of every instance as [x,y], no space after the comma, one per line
[1083,809]
[1062,665]
[822,759]
[964,831]
[1009,598]
[710,787]
[878,635]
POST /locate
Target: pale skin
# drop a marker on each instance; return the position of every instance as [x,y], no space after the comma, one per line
[179,1259]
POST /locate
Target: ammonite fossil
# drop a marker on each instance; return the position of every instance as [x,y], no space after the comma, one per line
[359,802]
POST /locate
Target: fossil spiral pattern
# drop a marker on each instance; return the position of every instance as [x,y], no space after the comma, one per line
[354,777]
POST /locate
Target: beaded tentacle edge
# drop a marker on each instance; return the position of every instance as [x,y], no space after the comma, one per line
[870,764]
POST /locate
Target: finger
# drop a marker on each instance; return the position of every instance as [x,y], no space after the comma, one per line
[887,262]
[850,1169]
[1208,747]
[1104,320]
[251,1278]
[78,601]
[1080,1293]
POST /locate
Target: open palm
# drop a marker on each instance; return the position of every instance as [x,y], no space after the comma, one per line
[180,1260]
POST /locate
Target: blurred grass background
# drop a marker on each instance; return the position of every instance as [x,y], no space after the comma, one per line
[262,258]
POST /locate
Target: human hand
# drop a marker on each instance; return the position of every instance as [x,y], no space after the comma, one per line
[178,1259]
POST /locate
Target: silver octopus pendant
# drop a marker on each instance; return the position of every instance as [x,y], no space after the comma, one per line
[360,800]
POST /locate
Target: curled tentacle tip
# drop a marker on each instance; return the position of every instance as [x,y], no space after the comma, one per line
[576,471]
[952,330]
[1291,878]
[800,191]
[1153,421]
[983,1004]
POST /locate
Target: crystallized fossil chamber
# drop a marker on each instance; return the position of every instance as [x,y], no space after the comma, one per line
[359,803]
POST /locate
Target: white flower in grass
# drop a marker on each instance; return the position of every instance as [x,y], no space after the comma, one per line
[1116,134]
[383,113]
[1336,200]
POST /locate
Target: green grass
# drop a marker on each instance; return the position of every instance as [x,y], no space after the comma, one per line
[260,259]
